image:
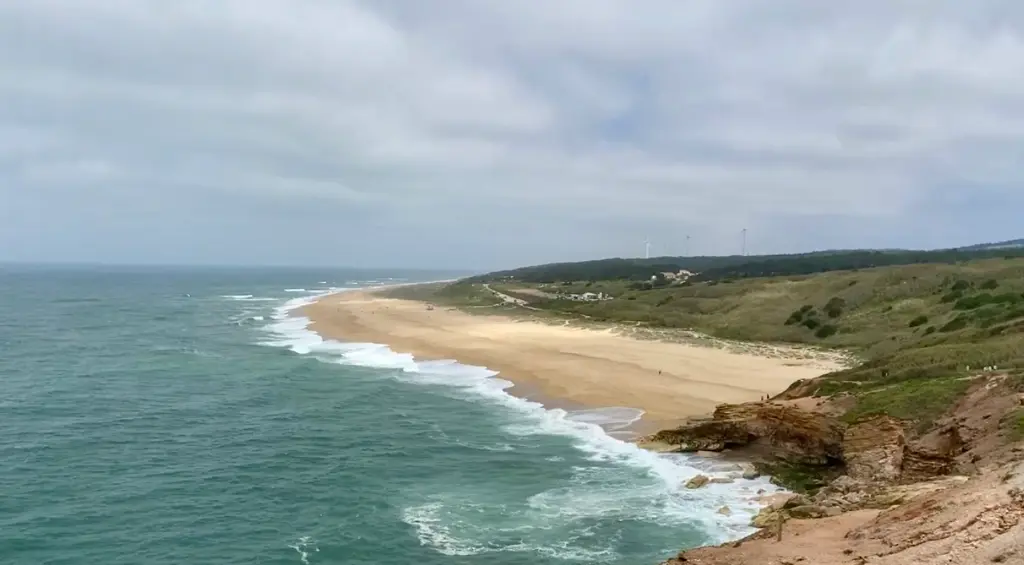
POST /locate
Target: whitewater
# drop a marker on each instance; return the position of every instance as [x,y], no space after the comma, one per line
[160,416]
[592,432]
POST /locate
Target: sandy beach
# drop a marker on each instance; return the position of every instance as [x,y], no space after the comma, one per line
[574,366]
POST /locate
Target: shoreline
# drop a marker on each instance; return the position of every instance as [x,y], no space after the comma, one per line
[564,367]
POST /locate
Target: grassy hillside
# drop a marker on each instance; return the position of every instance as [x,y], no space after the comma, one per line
[737,266]
[874,310]
[921,329]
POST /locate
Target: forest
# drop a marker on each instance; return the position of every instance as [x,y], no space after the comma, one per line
[712,268]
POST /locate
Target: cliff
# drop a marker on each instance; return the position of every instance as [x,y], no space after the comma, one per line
[950,493]
[788,432]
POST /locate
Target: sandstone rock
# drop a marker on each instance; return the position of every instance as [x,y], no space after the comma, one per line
[845,483]
[920,464]
[877,451]
[697,482]
[750,472]
[791,434]
[722,481]
[873,449]
[767,517]
[797,500]
[833,511]
[886,499]
[776,501]
[657,446]
[725,511]
[853,500]
[808,511]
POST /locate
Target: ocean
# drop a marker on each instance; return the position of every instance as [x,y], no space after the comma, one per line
[186,416]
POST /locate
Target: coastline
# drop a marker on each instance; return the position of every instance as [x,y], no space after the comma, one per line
[855,518]
[721,509]
[566,367]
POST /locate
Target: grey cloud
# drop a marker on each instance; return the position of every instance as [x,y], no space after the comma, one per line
[489,133]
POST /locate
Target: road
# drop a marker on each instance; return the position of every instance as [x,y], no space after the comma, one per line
[509,299]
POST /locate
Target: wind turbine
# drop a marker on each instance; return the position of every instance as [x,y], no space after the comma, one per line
[647,248]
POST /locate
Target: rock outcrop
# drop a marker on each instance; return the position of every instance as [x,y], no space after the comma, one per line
[749,471]
[921,465]
[877,450]
[873,450]
[697,482]
[786,432]
[952,493]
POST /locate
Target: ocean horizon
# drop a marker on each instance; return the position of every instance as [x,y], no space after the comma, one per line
[160,415]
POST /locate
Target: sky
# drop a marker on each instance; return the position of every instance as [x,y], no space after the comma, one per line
[483,134]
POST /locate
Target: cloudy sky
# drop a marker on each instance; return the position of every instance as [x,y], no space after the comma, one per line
[490,133]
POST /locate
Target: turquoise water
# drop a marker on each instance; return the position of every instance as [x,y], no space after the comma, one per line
[177,416]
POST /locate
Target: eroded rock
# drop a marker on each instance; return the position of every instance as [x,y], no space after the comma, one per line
[807,511]
[697,482]
[873,449]
[750,472]
[767,517]
[789,433]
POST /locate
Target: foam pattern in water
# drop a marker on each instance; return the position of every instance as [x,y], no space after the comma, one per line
[446,524]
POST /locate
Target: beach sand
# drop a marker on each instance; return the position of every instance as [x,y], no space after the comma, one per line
[566,366]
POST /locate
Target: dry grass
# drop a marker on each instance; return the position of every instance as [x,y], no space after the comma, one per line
[921,329]
[873,309]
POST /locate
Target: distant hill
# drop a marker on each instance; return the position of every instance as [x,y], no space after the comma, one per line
[740,266]
[1011,244]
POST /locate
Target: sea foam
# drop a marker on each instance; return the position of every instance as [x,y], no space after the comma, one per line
[591,431]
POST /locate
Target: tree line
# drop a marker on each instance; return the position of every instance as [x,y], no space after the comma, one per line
[713,268]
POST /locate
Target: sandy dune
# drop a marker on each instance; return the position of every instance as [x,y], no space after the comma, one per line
[592,368]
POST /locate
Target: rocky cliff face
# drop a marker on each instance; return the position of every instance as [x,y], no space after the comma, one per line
[874,449]
[787,432]
[895,503]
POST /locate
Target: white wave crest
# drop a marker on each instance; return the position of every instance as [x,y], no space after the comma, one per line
[249,298]
[589,431]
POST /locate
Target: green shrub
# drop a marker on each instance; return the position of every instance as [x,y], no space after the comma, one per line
[805,308]
[834,307]
[1008,298]
[958,323]
[921,399]
[930,330]
[811,323]
[918,321]
[952,296]
[1015,425]
[826,331]
[960,286]
[795,318]
[990,284]
[972,302]
[1013,314]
